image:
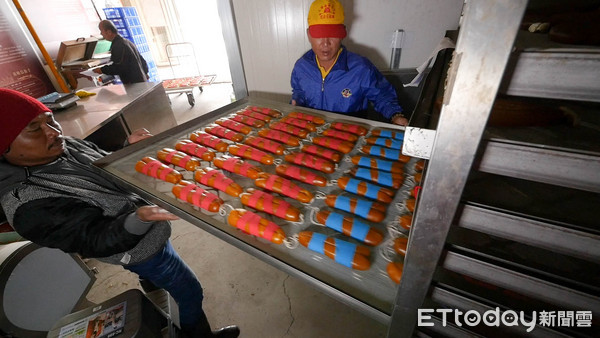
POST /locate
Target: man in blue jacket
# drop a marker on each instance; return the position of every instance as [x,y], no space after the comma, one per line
[329,77]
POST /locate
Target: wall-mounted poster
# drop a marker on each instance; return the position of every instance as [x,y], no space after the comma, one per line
[20,68]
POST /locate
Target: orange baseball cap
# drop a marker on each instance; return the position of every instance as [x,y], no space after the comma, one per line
[326,19]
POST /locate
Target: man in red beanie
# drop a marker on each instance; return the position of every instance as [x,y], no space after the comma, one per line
[329,77]
[51,196]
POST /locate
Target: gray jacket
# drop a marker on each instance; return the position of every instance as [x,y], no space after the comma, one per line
[67,205]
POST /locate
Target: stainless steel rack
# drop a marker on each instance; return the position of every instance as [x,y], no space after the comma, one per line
[371,292]
[506,217]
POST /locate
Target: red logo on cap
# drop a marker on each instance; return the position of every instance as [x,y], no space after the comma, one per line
[327,12]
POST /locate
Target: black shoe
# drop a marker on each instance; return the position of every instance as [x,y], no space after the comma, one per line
[202,330]
[231,331]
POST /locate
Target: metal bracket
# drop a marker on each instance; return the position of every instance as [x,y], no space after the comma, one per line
[418,142]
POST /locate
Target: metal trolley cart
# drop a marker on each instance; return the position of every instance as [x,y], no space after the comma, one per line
[186,75]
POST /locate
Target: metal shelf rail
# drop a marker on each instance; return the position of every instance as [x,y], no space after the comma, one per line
[473,83]
[528,75]
[556,259]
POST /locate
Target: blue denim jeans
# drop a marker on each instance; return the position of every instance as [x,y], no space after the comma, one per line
[168,271]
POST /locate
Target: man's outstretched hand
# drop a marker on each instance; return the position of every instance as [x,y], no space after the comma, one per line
[149,213]
[138,135]
[400,120]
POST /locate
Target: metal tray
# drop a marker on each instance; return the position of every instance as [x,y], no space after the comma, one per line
[371,292]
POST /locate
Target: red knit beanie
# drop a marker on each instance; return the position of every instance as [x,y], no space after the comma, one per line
[16,111]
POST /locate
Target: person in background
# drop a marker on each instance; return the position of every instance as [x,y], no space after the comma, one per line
[127,62]
[51,196]
[329,77]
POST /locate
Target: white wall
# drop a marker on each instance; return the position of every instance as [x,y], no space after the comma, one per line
[60,21]
[201,25]
[193,21]
[272,35]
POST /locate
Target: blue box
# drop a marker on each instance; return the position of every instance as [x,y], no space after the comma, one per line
[120,12]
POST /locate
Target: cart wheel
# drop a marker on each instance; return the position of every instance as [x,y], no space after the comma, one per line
[191,99]
[201,89]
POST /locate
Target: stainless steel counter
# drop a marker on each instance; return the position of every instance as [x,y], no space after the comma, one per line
[115,111]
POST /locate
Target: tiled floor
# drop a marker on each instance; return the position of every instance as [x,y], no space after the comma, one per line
[240,289]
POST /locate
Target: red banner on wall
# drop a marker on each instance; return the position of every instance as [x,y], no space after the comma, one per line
[20,69]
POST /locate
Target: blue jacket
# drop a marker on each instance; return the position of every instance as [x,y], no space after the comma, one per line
[350,85]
